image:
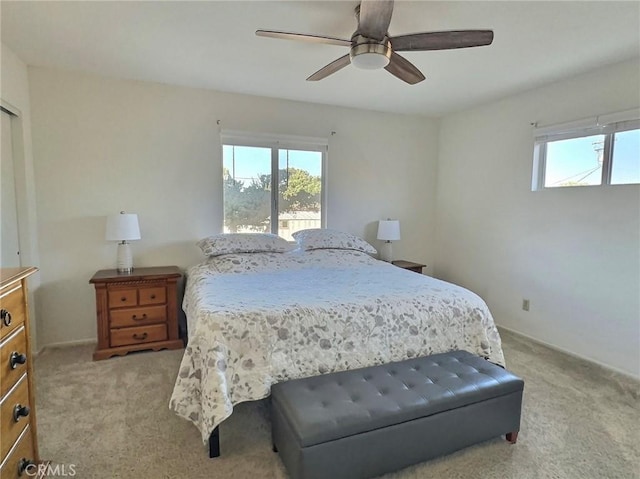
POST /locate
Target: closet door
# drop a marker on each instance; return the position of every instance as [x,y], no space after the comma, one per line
[9,244]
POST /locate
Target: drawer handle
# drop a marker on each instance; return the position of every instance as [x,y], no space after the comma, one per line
[16,358]
[6,317]
[153,296]
[136,318]
[24,464]
[20,411]
[123,299]
[140,337]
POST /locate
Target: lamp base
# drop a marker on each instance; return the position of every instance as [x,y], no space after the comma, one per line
[386,252]
[125,259]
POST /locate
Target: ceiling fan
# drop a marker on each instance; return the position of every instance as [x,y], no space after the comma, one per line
[372,47]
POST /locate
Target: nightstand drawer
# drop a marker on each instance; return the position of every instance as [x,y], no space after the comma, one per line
[120,298]
[15,462]
[139,335]
[152,296]
[10,429]
[13,351]
[13,313]
[124,318]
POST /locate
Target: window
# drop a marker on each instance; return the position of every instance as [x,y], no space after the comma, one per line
[272,185]
[625,167]
[588,153]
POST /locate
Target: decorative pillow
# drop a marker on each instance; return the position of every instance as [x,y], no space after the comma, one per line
[227,243]
[320,238]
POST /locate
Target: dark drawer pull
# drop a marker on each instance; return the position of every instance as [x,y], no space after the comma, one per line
[153,296]
[136,318]
[140,337]
[16,358]
[20,411]
[6,317]
[24,464]
[123,299]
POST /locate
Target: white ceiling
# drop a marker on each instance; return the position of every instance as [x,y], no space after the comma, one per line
[212,45]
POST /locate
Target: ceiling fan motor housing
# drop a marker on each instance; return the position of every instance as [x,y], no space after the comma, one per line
[370,54]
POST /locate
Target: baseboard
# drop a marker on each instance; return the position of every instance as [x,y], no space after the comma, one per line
[571,353]
[67,344]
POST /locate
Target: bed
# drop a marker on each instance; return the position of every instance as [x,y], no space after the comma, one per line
[259,318]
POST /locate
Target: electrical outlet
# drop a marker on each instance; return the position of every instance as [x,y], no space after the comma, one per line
[525,304]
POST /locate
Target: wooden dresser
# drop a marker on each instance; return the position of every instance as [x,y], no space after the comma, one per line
[18,438]
[136,310]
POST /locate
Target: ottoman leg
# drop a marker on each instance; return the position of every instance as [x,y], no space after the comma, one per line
[512,437]
[274,448]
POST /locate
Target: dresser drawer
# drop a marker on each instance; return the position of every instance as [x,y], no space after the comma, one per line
[10,429]
[122,298]
[139,335]
[16,348]
[123,318]
[152,295]
[24,450]
[12,306]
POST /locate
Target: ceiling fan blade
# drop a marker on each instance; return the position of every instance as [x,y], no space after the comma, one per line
[331,68]
[303,37]
[404,69]
[442,40]
[374,18]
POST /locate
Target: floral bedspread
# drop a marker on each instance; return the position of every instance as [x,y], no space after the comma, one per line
[261,318]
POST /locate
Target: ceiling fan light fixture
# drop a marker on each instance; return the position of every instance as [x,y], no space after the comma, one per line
[370,56]
[372,48]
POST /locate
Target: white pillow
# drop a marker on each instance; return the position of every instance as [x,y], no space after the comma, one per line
[322,238]
[227,243]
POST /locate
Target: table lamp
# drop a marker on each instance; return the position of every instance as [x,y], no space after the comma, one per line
[388,231]
[123,228]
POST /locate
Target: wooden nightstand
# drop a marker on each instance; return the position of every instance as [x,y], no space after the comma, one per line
[136,311]
[411,266]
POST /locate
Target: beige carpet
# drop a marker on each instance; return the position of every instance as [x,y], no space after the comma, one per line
[111,419]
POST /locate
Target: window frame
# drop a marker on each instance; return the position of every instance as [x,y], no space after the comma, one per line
[627,121]
[276,143]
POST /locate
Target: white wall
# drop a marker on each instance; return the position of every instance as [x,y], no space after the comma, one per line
[575,252]
[14,90]
[103,145]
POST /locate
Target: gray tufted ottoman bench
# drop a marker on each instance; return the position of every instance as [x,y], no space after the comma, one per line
[366,422]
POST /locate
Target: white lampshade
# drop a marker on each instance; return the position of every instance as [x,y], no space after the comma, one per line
[389,230]
[122,227]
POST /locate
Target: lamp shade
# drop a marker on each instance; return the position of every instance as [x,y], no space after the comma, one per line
[122,227]
[389,230]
